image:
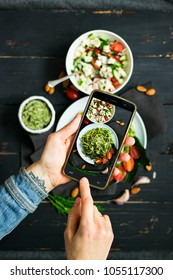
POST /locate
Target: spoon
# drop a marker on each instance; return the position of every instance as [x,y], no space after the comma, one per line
[54,83]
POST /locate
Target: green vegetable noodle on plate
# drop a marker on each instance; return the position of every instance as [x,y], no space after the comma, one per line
[96,143]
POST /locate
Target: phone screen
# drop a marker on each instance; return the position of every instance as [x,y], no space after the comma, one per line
[100,138]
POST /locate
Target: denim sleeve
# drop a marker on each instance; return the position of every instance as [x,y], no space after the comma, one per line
[19,196]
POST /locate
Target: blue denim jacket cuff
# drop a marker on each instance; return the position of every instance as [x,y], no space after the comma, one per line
[26,192]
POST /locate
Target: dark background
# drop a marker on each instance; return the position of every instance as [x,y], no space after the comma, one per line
[34,39]
[156,5]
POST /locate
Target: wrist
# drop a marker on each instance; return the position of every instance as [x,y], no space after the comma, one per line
[37,172]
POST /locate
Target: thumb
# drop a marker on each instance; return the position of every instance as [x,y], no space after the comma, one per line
[70,128]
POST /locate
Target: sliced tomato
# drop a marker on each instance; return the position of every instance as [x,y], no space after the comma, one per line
[110,55]
[104,160]
[121,175]
[97,50]
[108,105]
[135,152]
[72,94]
[117,57]
[112,151]
[98,109]
[106,118]
[87,50]
[109,155]
[129,165]
[114,82]
[116,47]
[95,64]
[86,121]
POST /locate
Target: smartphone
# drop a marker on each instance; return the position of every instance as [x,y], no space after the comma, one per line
[99,139]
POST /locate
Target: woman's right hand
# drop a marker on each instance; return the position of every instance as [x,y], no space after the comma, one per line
[88,235]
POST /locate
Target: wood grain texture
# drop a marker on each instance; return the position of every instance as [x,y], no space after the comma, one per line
[33,46]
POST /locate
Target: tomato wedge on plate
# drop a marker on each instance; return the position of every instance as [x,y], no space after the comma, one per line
[135,152]
[116,47]
[129,165]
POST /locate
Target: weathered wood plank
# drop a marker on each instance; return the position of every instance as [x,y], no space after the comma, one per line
[28,77]
[22,78]
[33,46]
[154,231]
[148,32]
[42,52]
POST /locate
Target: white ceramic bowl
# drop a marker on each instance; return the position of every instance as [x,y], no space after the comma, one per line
[90,127]
[90,114]
[112,37]
[51,108]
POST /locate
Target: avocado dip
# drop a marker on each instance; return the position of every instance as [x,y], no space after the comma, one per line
[36,114]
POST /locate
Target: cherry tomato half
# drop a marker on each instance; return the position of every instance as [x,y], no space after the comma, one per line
[72,94]
[114,82]
[86,121]
[97,50]
[135,152]
[129,165]
[116,47]
[94,64]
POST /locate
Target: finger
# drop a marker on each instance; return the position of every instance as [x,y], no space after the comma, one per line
[86,201]
[116,171]
[108,226]
[73,218]
[97,215]
[70,128]
[67,143]
[129,141]
[70,140]
[124,157]
[108,221]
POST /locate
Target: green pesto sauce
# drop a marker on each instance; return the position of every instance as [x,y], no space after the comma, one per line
[36,114]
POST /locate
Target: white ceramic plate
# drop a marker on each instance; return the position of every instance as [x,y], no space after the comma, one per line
[90,127]
[79,106]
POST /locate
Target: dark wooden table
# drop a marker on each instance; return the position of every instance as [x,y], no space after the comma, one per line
[33,47]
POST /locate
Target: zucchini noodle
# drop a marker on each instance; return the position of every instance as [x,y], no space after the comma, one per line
[96,143]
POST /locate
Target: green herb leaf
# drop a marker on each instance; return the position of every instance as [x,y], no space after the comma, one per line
[64,204]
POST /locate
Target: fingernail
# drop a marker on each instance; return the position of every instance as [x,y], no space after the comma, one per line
[84,180]
[127,157]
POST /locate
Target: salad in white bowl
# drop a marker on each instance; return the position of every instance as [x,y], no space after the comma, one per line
[101,60]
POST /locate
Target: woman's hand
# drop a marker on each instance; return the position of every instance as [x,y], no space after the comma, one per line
[50,166]
[129,141]
[88,235]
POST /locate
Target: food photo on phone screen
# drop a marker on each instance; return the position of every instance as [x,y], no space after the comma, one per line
[99,139]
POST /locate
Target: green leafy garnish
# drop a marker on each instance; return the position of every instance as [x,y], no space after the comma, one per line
[64,204]
[61,204]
